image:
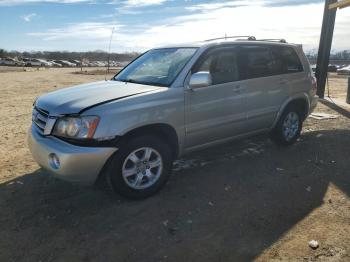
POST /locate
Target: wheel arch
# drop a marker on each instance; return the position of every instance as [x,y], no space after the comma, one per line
[164,131]
[301,102]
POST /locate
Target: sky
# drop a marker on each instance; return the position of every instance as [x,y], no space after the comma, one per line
[138,25]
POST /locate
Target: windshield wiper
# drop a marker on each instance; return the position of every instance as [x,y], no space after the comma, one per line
[133,81]
[126,80]
[130,80]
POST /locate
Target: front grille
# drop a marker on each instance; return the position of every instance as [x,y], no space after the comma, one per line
[40,118]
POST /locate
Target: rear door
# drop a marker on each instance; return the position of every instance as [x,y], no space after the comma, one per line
[215,112]
[291,69]
[264,86]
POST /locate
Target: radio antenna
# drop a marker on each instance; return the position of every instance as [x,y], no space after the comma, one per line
[109,53]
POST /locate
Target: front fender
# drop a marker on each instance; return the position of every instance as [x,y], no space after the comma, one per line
[118,118]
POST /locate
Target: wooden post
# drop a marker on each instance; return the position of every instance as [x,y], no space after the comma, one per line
[348,94]
[325,46]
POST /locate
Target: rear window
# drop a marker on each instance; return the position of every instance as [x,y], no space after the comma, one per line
[287,59]
[263,61]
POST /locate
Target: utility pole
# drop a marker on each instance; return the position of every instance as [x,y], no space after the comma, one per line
[109,49]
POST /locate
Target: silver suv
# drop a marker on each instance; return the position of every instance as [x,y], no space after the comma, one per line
[167,102]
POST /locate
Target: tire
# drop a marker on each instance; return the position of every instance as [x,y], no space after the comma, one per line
[136,179]
[288,127]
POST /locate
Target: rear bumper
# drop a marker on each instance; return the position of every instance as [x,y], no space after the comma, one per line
[76,164]
[313,104]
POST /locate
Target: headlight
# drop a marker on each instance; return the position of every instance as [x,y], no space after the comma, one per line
[76,127]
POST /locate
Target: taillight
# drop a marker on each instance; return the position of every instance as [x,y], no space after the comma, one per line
[314,84]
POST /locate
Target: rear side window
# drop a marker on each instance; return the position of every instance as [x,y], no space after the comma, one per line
[257,61]
[222,64]
[287,59]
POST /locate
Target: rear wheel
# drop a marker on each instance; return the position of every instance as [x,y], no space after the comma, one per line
[141,167]
[288,127]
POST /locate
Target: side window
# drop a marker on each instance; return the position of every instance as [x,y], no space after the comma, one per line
[288,59]
[221,64]
[257,62]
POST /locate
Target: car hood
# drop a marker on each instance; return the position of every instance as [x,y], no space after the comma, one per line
[74,100]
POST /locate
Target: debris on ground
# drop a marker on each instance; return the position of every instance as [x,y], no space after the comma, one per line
[323,116]
[308,189]
[165,222]
[227,188]
[210,203]
[182,164]
[318,162]
[15,182]
[332,254]
[313,244]
[279,169]
[172,231]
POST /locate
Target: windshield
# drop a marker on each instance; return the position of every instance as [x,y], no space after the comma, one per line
[156,67]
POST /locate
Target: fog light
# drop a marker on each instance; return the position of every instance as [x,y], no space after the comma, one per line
[54,161]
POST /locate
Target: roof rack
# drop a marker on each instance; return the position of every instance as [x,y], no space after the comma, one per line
[273,40]
[249,37]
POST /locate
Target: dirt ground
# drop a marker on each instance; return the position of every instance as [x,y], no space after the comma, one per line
[247,200]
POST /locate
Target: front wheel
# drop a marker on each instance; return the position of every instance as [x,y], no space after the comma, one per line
[141,167]
[288,127]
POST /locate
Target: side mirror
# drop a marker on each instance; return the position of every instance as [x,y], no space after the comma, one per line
[200,79]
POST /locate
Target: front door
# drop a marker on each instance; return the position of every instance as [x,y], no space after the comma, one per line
[215,112]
